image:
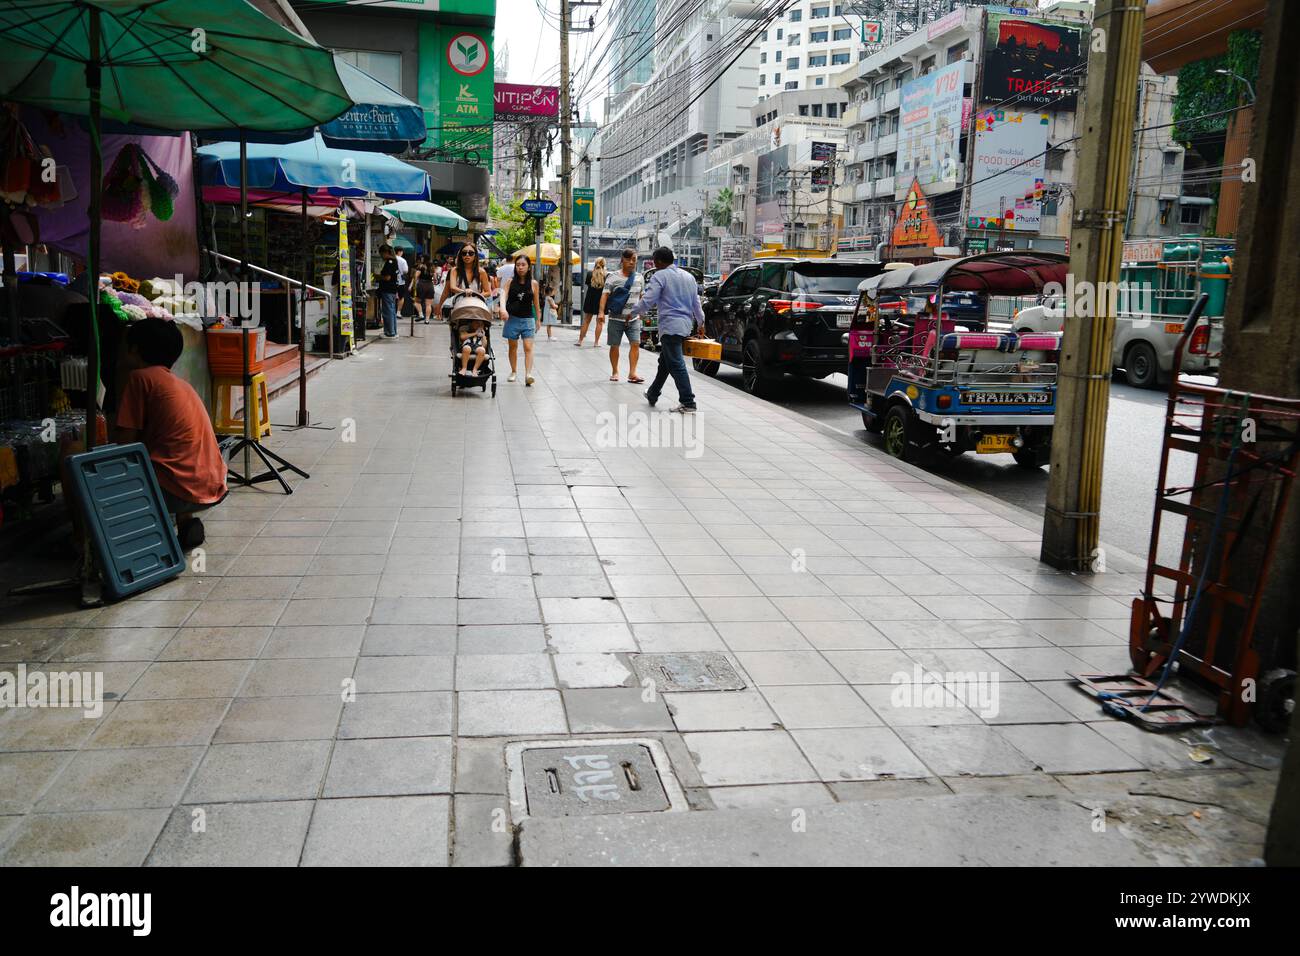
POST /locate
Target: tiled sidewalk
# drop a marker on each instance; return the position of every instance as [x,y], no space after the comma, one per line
[480,570]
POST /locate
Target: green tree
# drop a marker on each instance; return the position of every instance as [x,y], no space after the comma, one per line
[517,229]
[720,210]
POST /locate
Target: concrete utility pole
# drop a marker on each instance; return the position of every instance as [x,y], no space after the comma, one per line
[566,171]
[1072,520]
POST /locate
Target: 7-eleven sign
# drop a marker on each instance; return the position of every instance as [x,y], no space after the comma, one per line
[871,31]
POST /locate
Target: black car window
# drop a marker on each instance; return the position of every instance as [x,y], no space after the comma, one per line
[827,279]
[746,282]
[771,276]
[732,285]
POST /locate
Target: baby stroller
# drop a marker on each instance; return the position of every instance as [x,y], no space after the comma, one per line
[471,307]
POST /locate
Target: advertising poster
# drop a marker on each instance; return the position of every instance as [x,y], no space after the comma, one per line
[770,194]
[1008,170]
[345,282]
[929,129]
[1040,63]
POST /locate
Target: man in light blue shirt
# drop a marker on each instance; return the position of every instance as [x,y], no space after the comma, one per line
[674,293]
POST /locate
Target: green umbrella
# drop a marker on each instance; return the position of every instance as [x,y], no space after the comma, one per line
[420,212]
[168,64]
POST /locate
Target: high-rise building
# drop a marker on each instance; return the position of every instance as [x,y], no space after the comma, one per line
[806,47]
[656,137]
[631,48]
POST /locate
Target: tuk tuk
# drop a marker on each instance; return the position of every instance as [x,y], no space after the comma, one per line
[935,380]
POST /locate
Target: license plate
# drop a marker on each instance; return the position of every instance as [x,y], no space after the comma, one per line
[844,320]
[994,444]
[1006,398]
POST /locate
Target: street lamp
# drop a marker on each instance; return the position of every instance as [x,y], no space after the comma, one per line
[1237,76]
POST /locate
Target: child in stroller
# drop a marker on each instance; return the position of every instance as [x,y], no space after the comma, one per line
[470,323]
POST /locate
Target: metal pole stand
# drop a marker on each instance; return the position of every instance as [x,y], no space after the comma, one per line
[247,443]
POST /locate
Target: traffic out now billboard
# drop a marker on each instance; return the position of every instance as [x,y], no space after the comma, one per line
[518,102]
[1039,64]
[1008,169]
[930,127]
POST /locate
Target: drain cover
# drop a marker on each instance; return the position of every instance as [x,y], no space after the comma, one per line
[578,781]
[703,670]
[586,777]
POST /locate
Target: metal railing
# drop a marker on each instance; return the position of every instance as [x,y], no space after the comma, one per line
[294,283]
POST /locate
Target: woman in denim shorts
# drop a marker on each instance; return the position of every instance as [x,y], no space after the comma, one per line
[520,308]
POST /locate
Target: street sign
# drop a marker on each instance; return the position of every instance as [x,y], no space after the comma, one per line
[871,31]
[541,208]
[823,152]
[718,232]
[584,206]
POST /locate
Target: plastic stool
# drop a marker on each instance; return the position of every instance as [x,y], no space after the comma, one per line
[223,418]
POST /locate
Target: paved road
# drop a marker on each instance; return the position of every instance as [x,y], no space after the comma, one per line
[1132,455]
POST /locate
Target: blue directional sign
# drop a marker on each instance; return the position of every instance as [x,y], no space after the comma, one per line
[541,208]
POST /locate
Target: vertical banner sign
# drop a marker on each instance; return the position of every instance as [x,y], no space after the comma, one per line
[1008,170]
[929,131]
[345,282]
[466,95]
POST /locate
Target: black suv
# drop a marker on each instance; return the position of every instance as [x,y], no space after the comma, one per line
[774,316]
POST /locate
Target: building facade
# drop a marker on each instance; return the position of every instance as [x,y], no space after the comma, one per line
[438,53]
[961,132]
[807,47]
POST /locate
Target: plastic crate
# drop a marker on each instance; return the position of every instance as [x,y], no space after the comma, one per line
[224,357]
[116,493]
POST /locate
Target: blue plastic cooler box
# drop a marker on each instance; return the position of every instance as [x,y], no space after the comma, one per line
[117,494]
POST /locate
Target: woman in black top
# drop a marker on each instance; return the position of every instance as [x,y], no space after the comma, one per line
[424,289]
[520,307]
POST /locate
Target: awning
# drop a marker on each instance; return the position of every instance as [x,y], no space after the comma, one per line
[311,165]
[425,213]
[995,273]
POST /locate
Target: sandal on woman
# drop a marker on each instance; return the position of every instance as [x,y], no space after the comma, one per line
[635,380]
[613,378]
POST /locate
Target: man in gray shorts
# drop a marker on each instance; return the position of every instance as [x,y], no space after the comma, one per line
[623,289]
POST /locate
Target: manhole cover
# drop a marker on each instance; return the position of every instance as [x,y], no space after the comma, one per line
[703,670]
[550,778]
[578,781]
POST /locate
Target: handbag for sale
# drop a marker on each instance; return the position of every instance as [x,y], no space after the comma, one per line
[618,298]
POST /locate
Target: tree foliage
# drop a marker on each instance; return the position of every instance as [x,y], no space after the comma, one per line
[720,210]
[518,229]
[1201,90]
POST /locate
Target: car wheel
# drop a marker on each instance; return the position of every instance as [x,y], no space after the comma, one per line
[705,366]
[755,378]
[1141,370]
[898,423]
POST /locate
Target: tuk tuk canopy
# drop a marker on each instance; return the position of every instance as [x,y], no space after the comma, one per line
[994,273]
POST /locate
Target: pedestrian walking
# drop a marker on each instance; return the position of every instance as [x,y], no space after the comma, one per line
[674,293]
[623,290]
[389,284]
[594,287]
[423,289]
[550,311]
[520,307]
[403,279]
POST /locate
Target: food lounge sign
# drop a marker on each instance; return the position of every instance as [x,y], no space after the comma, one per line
[914,228]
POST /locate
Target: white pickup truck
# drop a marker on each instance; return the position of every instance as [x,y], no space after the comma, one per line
[1144,345]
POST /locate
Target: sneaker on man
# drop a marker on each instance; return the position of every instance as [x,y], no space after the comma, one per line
[190,534]
[684,409]
[649,399]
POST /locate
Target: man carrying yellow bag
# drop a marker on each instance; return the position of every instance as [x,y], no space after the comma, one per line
[676,296]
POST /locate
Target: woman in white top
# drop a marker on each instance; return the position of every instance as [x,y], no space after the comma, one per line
[468,275]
